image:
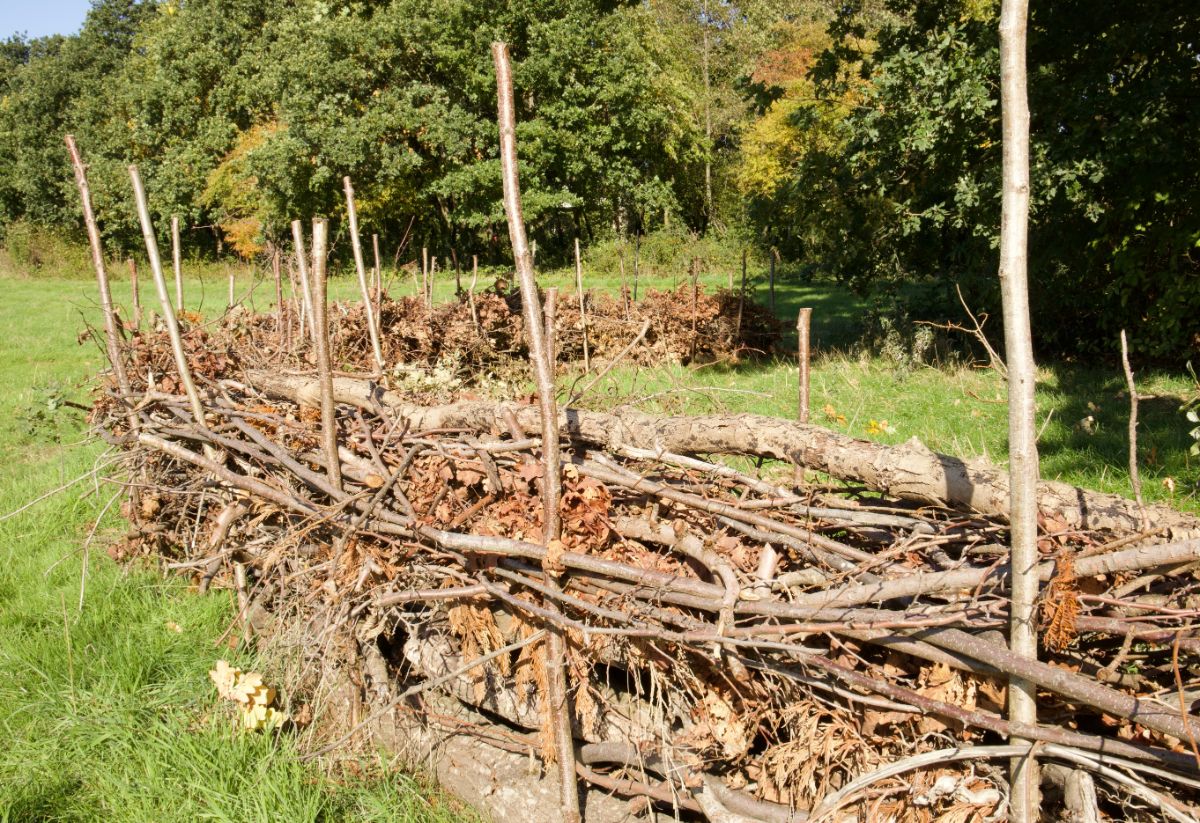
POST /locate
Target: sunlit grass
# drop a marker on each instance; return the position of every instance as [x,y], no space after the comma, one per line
[106,711]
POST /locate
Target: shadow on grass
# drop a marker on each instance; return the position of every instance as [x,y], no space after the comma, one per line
[836,318]
[1089,433]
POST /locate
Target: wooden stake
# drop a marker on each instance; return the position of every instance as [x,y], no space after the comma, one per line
[378,273]
[695,302]
[177,262]
[293,307]
[637,250]
[803,327]
[1134,479]
[164,299]
[624,281]
[1022,374]
[306,289]
[741,299]
[360,267]
[320,240]
[229,301]
[137,297]
[556,697]
[425,276]
[587,358]
[278,292]
[432,275]
[112,334]
[471,290]
[773,254]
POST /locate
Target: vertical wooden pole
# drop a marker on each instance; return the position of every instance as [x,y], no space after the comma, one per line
[471,290]
[320,242]
[361,269]
[177,262]
[229,301]
[624,281]
[278,292]
[556,696]
[378,272]
[306,289]
[137,296]
[112,334]
[587,357]
[1022,374]
[741,301]
[773,255]
[425,276]
[432,276]
[550,312]
[695,301]
[637,249]
[294,304]
[803,356]
[164,299]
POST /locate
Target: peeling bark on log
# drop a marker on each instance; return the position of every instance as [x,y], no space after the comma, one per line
[910,471]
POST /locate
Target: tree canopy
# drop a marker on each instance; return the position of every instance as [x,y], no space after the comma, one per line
[858,139]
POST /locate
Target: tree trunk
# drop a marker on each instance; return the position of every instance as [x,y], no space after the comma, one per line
[910,471]
[1022,432]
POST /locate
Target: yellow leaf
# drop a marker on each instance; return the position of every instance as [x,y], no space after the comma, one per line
[225,677]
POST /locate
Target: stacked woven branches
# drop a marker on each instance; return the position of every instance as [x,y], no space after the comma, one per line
[738,642]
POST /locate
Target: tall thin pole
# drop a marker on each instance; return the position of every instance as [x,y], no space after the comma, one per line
[556,696]
[774,256]
[320,242]
[164,299]
[177,262]
[137,295]
[425,276]
[112,335]
[278,292]
[378,272]
[306,291]
[360,267]
[741,299]
[587,358]
[471,290]
[803,328]
[1022,436]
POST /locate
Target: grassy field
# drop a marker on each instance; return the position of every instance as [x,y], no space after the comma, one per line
[106,712]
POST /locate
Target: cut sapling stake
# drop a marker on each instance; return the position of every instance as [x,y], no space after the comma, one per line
[360,267]
[556,698]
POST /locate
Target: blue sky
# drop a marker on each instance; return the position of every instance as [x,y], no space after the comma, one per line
[41,17]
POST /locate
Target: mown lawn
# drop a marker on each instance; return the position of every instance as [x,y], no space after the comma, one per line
[106,711]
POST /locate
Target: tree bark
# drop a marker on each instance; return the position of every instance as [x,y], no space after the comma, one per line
[1022,432]
[543,369]
[909,471]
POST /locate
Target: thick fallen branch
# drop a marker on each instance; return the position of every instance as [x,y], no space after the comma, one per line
[908,472]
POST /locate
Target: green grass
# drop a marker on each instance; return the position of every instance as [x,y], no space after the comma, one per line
[106,712]
[957,410]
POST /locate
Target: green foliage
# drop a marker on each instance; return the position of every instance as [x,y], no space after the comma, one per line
[904,184]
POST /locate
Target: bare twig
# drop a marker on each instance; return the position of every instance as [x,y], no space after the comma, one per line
[543,372]
[360,267]
[160,284]
[1134,479]
[320,239]
[112,335]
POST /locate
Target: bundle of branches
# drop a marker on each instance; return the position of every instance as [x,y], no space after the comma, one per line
[738,647]
[486,331]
